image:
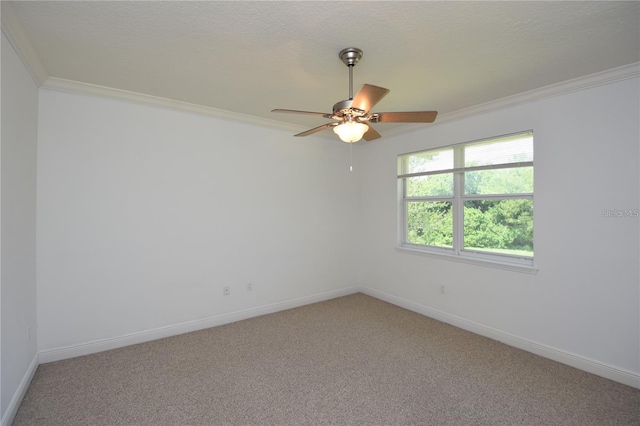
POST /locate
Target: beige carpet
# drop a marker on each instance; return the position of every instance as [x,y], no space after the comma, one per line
[353,360]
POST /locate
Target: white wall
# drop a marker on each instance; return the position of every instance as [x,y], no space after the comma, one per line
[585,298]
[145,213]
[18,227]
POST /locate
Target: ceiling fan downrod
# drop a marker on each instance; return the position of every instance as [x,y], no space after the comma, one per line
[350,56]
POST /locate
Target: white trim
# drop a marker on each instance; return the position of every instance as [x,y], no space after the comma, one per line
[16,400]
[600,369]
[458,199]
[75,87]
[72,351]
[602,78]
[605,77]
[613,75]
[13,29]
[473,261]
[594,367]
[464,169]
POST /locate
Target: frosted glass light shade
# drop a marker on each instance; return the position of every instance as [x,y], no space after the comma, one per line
[351,131]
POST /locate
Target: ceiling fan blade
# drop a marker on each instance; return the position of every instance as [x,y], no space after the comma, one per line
[317,129]
[368,96]
[295,111]
[404,117]
[371,134]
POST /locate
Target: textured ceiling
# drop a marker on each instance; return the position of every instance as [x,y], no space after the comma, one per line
[251,57]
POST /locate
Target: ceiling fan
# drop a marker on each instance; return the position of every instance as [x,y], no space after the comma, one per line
[354,114]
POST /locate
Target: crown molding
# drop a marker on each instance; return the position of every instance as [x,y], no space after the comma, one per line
[613,75]
[75,87]
[606,77]
[13,29]
[581,83]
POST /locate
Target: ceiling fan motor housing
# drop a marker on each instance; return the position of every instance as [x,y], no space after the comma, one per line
[343,108]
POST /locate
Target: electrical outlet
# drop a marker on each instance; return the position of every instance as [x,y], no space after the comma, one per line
[249,286]
[226,290]
[442,290]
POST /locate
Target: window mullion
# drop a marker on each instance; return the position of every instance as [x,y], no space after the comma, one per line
[514,196]
[402,213]
[464,168]
[429,198]
[458,189]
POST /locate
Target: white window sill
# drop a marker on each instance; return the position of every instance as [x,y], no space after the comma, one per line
[527,269]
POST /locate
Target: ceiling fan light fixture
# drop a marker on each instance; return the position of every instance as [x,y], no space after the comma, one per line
[351,131]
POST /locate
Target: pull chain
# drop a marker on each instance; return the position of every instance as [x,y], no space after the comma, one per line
[351,159]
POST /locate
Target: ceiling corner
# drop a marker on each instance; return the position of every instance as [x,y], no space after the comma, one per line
[13,29]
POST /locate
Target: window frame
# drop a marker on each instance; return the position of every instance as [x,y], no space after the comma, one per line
[457,252]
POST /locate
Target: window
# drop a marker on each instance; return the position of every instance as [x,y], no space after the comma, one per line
[472,200]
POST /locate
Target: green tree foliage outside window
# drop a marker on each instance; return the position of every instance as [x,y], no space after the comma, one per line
[430,223]
[504,226]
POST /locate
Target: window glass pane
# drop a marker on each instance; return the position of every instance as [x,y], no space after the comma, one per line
[428,161]
[430,223]
[518,180]
[499,226]
[430,186]
[511,149]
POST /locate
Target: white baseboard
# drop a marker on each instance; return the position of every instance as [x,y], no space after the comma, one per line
[57,354]
[16,400]
[581,363]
